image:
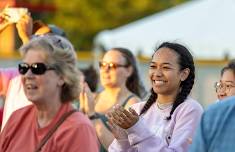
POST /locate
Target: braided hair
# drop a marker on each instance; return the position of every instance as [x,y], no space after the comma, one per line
[185,60]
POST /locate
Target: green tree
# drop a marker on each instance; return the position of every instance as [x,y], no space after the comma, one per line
[82,19]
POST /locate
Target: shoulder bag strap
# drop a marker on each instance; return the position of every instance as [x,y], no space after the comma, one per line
[127,99]
[52,130]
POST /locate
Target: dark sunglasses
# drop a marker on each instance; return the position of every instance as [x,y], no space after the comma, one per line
[36,68]
[111,65]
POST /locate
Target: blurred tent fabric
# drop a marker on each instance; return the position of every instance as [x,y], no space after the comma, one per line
[207,27]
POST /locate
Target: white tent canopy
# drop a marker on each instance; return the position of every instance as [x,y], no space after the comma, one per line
[207,27]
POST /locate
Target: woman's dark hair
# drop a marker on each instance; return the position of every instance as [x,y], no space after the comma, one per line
[229,66]
[185,60]
[133,82]
[91,77]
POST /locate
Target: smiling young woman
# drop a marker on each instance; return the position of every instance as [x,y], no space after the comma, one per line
[167,121]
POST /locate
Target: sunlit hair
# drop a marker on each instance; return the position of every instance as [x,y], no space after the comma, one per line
[133,82]
[60,54]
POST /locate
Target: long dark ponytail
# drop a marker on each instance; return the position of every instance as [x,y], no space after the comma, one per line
[185,61]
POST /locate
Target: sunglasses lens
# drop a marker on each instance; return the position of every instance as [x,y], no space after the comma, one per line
[110,66]
[38,68]
[23,68]
[102,64]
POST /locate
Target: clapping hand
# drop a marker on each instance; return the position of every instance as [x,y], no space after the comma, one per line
[86,99]
[122,117]
[117,132]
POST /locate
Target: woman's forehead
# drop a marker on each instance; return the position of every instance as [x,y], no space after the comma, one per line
[165,55]
[36,55]
[114,56]
[228,74]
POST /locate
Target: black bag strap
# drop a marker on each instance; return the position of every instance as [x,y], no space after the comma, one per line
[52,130]
[127,99]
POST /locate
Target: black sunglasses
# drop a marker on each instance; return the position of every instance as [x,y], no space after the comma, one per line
[36,68]
[111,65]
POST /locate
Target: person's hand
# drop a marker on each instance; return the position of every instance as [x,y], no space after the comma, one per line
[117,132]
[82,99]
[4,22]
[86,99]
[25,27]
[123,118]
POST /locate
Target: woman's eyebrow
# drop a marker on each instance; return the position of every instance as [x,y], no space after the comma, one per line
[230,81]
[164,63]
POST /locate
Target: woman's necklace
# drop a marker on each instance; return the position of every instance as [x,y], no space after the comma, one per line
[163,106]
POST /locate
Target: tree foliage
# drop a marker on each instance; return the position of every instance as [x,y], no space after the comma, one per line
[82,19]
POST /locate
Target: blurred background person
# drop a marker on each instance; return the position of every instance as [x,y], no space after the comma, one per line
[226,86]
[47,73]
[121,85]
[27,28]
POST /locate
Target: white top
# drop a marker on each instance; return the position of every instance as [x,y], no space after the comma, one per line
[153,133]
